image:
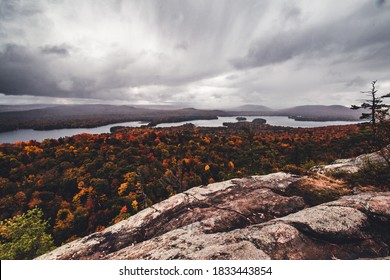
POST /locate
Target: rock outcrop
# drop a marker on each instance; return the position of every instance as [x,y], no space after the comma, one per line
[352,165]
[259,217]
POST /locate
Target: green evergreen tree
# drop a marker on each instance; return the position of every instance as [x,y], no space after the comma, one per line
[24,236]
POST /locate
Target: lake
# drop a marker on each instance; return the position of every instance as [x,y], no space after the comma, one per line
[23,135]
[272,120]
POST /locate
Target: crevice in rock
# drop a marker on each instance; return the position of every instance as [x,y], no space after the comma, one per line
[243,217]
[158,211]
[254,184]
[221,208]
[309,232]
[365,210]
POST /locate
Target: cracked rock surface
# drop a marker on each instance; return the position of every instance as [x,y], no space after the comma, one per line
[249,218]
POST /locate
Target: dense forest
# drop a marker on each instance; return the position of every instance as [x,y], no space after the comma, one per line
[87,182]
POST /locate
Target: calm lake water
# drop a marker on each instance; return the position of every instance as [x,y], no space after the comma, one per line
[23,135]
[30,134]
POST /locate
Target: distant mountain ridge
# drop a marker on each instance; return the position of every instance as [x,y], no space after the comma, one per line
[304,112]
[45,117]
[317,109]
[318,112]
[302,109]
[250,107]
[17,108]
[94,115]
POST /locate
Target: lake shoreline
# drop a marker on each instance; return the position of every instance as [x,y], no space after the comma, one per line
[154,123]
[23,135]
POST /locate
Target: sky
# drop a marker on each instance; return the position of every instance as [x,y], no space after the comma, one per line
[198,53]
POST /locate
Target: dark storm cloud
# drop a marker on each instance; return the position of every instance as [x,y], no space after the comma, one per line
[366,27]
[21,73]
[171,44]
[13,15]
[61,50]
[202,51]
[9,9]
[291,12]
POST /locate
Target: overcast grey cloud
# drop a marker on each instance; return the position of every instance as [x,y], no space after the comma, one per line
[202,53]
[61,50]
[367,26]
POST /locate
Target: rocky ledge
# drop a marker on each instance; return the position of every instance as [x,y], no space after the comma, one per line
[259,217]
[352,165]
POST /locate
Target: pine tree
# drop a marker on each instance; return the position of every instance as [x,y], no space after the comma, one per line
[374,104]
